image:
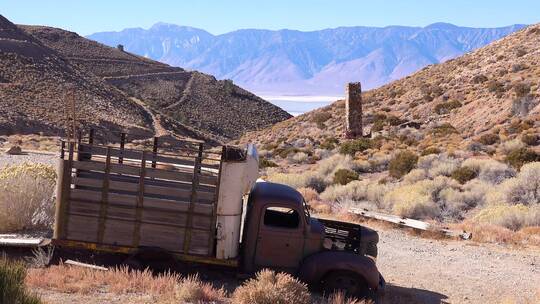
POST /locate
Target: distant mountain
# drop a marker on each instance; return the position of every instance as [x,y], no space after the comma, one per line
[311,63]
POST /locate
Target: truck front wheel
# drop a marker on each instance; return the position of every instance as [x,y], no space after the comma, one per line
[350,283]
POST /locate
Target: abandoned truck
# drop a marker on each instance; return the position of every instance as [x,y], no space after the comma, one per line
[205,208]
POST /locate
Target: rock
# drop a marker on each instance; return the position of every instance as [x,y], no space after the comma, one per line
[14,150]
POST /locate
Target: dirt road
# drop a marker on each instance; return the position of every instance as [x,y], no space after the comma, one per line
[421,270]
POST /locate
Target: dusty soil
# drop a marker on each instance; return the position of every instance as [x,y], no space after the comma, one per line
[422,270]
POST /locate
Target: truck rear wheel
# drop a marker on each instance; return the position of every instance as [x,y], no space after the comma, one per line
[350,283]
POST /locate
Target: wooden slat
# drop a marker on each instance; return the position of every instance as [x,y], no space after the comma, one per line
[125,169]
[170,175]
[104,198]
[140,202]
[89,165]
[194,183]
[97,183]
[82,228]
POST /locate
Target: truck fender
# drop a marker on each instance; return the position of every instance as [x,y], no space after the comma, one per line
[315,267]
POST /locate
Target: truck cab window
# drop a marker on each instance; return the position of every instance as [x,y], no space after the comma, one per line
[281,217]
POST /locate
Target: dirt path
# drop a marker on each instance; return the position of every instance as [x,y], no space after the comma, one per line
[156,122]
[420,270]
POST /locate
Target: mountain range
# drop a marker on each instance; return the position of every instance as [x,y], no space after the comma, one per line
[305,63]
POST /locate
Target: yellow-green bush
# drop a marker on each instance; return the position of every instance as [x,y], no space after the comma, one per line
[402,164]
[464,174]
[26,199]
[512,217]
[413,201]
[269,287]
[344,176]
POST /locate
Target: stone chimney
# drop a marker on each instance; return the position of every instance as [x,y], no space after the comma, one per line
[120,47]
[353,110]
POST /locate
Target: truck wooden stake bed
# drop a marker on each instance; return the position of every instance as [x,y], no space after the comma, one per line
[206,208]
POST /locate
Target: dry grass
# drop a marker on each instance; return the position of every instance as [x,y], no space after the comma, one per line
[489,233]
[167,287]
[12,288]
[26,199]
[269,287]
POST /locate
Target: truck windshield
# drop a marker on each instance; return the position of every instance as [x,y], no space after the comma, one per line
[306,210]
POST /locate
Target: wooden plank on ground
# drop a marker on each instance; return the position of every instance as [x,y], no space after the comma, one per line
[411,223]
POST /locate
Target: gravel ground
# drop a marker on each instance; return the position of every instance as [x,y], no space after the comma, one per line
[447,271]
[31,157]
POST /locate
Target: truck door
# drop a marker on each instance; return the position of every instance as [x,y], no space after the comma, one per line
[280,240]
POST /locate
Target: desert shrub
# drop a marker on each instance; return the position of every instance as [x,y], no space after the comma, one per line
[269,287]
[352,146]
[511,145]
[479,79]
[518,67]
[320,177]
[299,180]
[27,197]
[378,125]
[520,52]
[521,89]
[379,162]
[413,201]
[489,139]
[430,150]
[309,194]
[517,158]
[414,176]
[394,120]
[454,201]
[489,170]
[269,146]
[446,107]
[530,139]
[299,157]
[357,191]
[284,152]
[12,287]
[512,217]
[402,163]
[421,199]
[522,106]
[444,129]
[192,290]
[344,176]
[464,174]
[320,118]
[329,143]
[496,87]
[438,164]
[266,163]
[524,188]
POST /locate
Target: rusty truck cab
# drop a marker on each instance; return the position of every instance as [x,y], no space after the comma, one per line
[279,233]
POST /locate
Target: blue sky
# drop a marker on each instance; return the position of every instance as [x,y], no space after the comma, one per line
[220,16]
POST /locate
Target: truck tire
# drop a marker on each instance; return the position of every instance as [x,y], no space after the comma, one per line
[348,282]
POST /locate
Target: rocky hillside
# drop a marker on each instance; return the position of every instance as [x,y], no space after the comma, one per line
[34,80]
[179,99]
[495,89]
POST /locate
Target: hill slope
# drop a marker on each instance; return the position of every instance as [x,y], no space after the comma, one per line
[294,62]
[182,100]
[494,89]
[33,83]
